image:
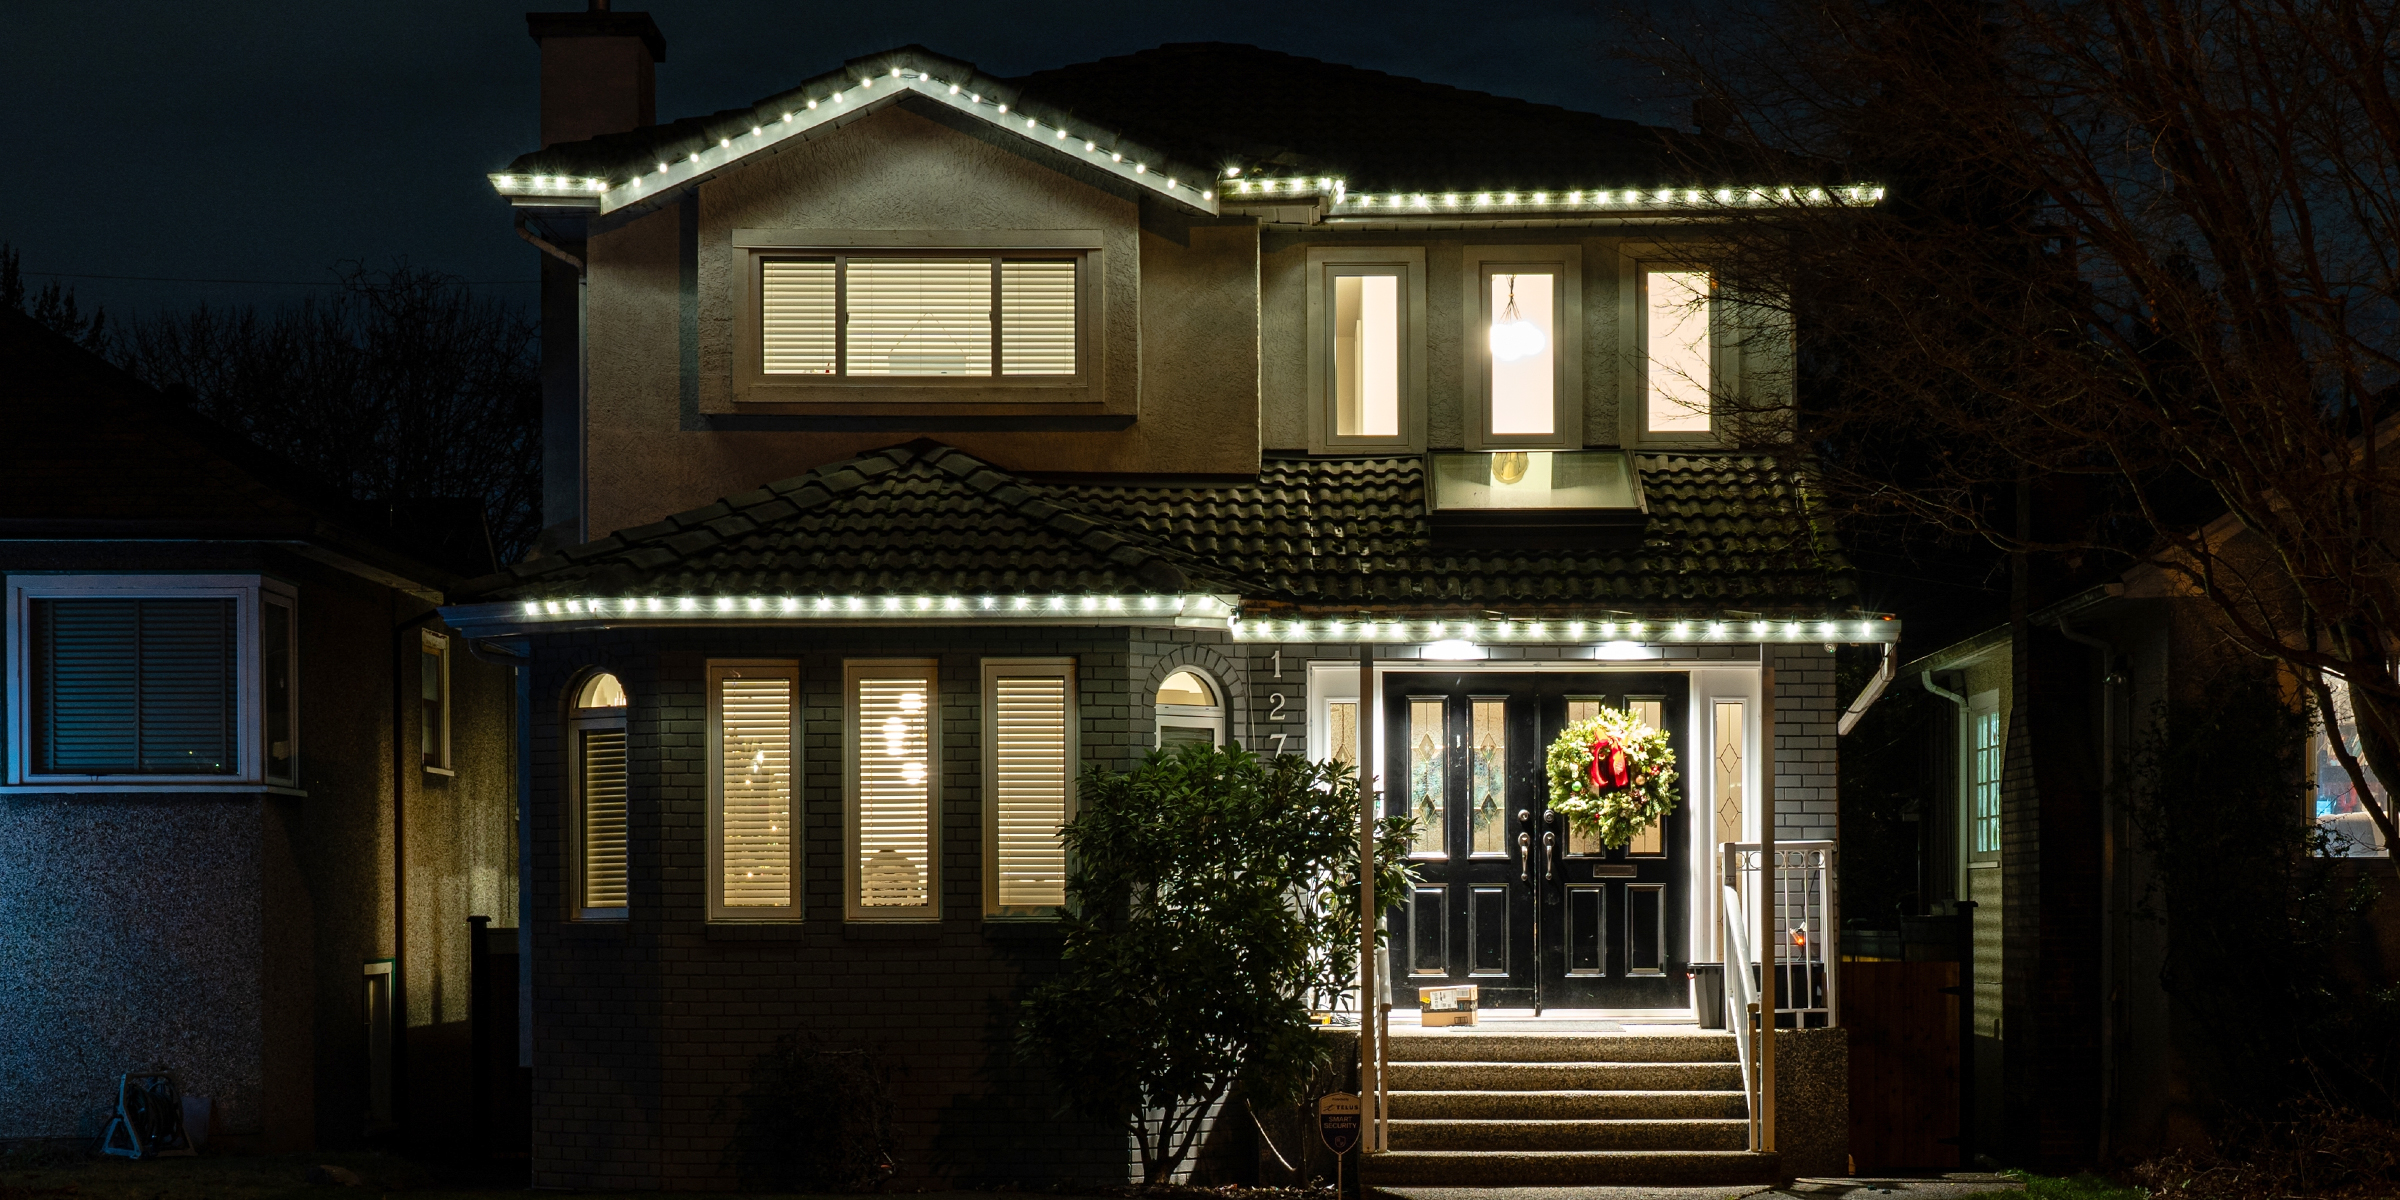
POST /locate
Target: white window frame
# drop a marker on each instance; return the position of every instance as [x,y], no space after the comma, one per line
[756,247]
[1566,395]
[718,911]
[853,671]
[249,774]
[1188,716]
[1633,349]
[994,670]
[1326,264]
[1983,706]
[581,720]
[438,645]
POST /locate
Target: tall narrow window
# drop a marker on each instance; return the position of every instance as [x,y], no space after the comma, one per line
[1341,733]
[894,792]
[2350,831]
[1651,839]
[1487,777]
[1428,777]
[1366,356]
[754,867]
[797,316]
[1029,777]
[1727,770]
[1580,708]
[600,814]
[1983,716]
[1678,350]
[1522,342]
[278,648]
[1037,317]
[433,701]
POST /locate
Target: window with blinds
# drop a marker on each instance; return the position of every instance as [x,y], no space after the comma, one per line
[755,865]
[603,776]
[920,317]
[1029,774]
[134,686]
[892,792]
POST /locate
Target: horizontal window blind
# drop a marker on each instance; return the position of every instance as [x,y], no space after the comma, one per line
[604,818]
[1037,317]
[134,686]
[796,305]
[756,738]
[919,316]
[1029,768]
[895,820]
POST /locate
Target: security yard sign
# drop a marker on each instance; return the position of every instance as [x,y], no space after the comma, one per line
[1337,1121]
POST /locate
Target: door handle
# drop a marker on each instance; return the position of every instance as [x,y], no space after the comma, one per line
[1524,858]
[1549,851]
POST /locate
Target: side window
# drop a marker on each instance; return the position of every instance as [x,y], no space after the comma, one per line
[1189,708]
[1524,347]
[433,701]
[147,681]
[1366,349]
[753,852]
[1986,738]
[892,790]
[2349,831]
[598,816]
[1028,783]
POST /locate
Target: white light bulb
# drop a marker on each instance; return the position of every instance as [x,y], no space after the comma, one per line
[755,131]
[895,72]
[1062,135]
[1233,172]
[1141,168]
[1208,195]
[724,142]
[812,104]
[1004,108]
[1116,158]
[787,118]
[1088,147]
[1030,122]
[975,97]
[866,83]
[954,89]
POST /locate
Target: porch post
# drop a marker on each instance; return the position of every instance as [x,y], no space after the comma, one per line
[1769,893]
[1369,1083]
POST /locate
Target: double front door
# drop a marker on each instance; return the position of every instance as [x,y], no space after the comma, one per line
[1510,895]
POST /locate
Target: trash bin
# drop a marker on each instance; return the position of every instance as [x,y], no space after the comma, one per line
[1708,993]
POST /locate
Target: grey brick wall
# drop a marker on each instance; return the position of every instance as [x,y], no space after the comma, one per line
[1807,757]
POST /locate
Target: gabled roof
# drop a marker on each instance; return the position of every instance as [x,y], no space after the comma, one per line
[1207,125]
[1728,533]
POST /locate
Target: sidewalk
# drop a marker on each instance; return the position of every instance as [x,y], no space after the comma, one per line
[1954,1186]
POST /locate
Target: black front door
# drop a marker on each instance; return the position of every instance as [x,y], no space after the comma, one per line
[1511,898]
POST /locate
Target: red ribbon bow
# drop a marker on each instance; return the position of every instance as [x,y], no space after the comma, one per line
[1609,767]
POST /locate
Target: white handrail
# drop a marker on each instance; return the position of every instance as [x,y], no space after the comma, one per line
[1738,1000]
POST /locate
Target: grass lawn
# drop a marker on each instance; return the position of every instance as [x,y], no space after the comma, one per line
[2079,1187]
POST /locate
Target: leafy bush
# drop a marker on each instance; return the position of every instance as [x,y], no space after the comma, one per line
[1213,893]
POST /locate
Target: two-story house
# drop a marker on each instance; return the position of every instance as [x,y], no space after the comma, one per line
[920,439]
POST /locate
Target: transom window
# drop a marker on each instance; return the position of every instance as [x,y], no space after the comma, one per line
[1190,708]
[921,316]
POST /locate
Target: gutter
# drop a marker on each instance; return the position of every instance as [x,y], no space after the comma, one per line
[1874,691]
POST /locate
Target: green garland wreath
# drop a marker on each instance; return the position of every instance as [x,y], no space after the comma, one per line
[1612,775]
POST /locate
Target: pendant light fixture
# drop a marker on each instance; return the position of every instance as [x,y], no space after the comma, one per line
[1514,337]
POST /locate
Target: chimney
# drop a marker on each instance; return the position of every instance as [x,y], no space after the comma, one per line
[599,71]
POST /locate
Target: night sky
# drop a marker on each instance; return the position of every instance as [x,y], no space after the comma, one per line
[266,140]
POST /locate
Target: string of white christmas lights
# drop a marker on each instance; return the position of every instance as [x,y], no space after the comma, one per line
[608,193]
[1615,199]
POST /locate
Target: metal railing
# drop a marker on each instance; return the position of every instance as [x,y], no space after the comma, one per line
[1803,948]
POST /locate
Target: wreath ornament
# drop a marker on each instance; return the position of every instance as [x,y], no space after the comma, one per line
[1612,776]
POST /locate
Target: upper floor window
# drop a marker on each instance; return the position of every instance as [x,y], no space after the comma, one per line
[152,681]
[1366,344]
[1524,334]
[433,701]
[920,317]
[1678,350]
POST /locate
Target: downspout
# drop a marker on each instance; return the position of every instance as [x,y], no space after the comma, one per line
[1874,691]
[1966,918]
[2112,950]
[520,667]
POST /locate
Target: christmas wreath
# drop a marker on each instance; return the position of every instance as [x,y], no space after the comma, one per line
[1612,775]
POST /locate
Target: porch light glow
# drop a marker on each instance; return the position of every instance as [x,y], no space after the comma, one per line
[1453,651]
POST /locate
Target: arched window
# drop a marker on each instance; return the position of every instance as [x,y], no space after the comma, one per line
[596,801]
[1191,708]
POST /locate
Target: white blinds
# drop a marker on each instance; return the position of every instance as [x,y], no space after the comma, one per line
[1029,783]
[604,818]
[923,317]
[756,721]
[895,818]
[1037,317]
[919,316]
[796,314]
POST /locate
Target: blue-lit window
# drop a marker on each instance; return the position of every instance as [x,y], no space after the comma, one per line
[1986,819]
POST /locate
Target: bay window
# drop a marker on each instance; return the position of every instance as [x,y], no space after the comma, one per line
[892,791]
[754,852]
[133,682]
[1029,781]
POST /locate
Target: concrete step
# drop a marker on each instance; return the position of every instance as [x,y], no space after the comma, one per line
[1527,1105]
[1466,1045]
[1571,1135]
[1587,1168]
[1564,1076]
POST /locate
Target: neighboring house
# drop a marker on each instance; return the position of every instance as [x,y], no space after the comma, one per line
[2081,1054]
[254,788]
[919,439]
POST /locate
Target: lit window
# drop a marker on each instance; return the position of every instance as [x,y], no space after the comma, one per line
[1985,756]
[1678,351]
[754,858]
[1521,343]
[1523,347]
[1029,779]
[893,790]
[598,798]
[1189,709]
[433,701]
[1366,356]
[1365,346]
[152,681]
[920,317]
[2350,831]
